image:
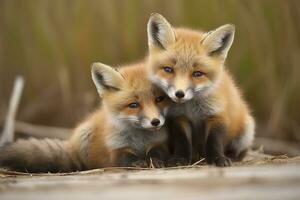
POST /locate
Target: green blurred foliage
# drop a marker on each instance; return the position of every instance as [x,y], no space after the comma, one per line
[53,42]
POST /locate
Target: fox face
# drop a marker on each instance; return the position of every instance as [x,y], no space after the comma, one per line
[129,97]
[186,63]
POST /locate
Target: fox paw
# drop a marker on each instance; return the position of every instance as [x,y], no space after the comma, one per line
[157,163]
[221,161]
[177,161]
[140,164]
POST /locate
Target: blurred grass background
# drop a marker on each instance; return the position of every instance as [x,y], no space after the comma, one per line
[53,42]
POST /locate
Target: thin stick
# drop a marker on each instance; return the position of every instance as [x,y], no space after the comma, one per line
[198,162]
[151,164]
[8,131]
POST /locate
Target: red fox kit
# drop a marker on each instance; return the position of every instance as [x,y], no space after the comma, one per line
[126,130]
[189,66]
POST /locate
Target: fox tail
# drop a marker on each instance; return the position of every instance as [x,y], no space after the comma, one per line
[33,155]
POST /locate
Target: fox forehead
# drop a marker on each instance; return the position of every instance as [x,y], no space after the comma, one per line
[186,53]
[135,79]
[188,42]
[135,87]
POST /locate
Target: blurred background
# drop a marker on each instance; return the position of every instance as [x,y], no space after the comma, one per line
[52,44]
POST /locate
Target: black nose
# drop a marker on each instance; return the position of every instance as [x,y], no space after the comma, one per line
[155,122]
[179,94]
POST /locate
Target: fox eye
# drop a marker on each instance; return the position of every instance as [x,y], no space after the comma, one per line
[159,99]
[134,105]
[168,69]
[197,74]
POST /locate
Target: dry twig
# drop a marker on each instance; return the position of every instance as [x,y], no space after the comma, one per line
[8,130]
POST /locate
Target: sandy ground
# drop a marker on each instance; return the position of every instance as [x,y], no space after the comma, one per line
[258,177]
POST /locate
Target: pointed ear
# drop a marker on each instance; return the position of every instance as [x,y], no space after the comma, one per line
[219,41]
[160,32]
[105,77]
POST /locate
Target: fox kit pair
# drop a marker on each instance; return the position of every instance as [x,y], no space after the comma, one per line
[189,66]
[126,130]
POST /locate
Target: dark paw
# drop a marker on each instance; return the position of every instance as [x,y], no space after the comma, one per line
[140,164]
[221,161]
[157,163]
[177,161]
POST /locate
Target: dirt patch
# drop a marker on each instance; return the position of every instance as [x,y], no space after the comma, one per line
[259,176]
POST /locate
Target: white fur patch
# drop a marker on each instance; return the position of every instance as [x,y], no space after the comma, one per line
[171,94]
[189,94]
[246,139]
[160,83]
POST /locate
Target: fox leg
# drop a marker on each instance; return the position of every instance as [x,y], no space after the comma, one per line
[215,145]
[126,157]
[180,141]
[234,155]
[199,135]
[157,156]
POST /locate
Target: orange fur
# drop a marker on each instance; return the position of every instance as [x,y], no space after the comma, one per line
[135,87]
[176,56]
[121,132]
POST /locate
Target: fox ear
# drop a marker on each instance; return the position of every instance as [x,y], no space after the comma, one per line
[105,78]
[160,32]
[219,41]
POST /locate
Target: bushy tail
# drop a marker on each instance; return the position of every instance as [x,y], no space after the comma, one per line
[33,155]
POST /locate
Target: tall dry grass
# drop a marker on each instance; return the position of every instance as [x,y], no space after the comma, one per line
[52,44]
